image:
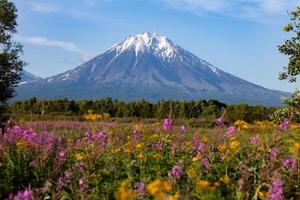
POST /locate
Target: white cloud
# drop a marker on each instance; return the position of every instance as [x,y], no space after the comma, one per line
[255,9]
[67,46]
[45,8]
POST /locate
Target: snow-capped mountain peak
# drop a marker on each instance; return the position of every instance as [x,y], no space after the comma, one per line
[151,42]
[152,67]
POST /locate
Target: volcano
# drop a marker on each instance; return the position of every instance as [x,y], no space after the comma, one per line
[152,67]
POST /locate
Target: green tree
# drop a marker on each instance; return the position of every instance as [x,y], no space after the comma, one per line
[10,63]
[291,48]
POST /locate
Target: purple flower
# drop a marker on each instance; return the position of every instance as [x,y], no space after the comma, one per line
[254,139]
[140,187]
[195,141]
[205,163]
[167,124]
[240,183]
[22,195]
[231,131]
[62,154]
[32,163]
[176,171]
[101,137]
[276,190]
[136,135]
[290,163]
[156,146]
[201,147]
[284,125]
[88,136]
[219,121]
[83,185]
[273,154]
[182,129]
[79,166]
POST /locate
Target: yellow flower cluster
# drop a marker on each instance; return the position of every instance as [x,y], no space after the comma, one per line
[95,117]
[295,149]
[265,124]
[241,125]
[207,186]
[234,144]
[294,126]
[124,193]
[138,127]
[21,144]
[225,179]
[159,189]
[80,157]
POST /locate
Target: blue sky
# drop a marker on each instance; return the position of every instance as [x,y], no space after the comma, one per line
[237,36]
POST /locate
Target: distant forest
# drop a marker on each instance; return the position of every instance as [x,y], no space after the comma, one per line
[143,109]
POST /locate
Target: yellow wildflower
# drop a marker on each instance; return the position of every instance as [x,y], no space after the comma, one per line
[158,188]
[192,173]
[222,147]
[262,195]
[205,185]
[204,139]
[196,158]
[139,145]
[295,149]
[124,193]
[158,156]
[140,155]
[138,127]
[174,197]
[80,157]
[241,125]
[294,126]
[234,145]
[225,179]
[21,144]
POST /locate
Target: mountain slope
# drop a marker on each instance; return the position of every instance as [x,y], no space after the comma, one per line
[28,77]
[152,67]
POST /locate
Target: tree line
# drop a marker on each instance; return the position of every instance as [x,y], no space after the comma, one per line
[142,109]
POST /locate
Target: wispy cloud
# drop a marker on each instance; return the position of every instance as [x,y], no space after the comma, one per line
[67,46]
[252,9]
[43,7]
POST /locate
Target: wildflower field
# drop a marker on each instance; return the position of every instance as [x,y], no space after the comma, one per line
[150,161]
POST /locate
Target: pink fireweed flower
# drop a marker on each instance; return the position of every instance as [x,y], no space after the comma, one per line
[205,163]
[240,183]
[182,129]
[290,163]
[284,125]
[231,131]
[101,137]
[68,175]
[83,185]
[219,121]
[26,194]
[79,166]
[273,154]
[62,154]
[167,124]
[201,147]
[136,135]
[156,146]
[88,136]
[254,139]
[195,141]
[140,187]
[276,190]
[176,172]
